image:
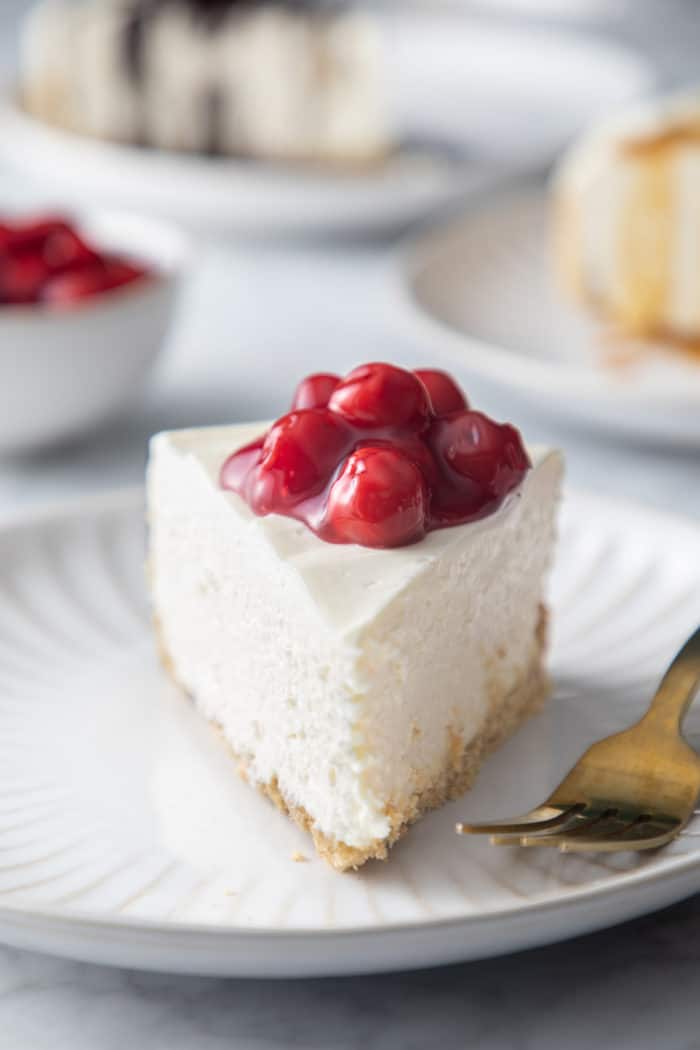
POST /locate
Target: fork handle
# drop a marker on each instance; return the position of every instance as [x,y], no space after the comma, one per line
[678,687]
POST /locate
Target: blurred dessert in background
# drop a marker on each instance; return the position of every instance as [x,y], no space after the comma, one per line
[627,222]
[285,80]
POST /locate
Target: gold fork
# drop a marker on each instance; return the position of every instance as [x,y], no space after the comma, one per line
[632,791]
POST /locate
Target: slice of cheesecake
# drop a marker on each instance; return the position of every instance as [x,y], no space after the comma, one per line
[358,687]
[627,221]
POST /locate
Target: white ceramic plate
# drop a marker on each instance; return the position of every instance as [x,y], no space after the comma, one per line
[482,91]
[482,293]
[126,836]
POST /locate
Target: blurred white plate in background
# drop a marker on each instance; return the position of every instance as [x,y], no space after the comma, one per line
[469,91]
[482,294]
[570,9]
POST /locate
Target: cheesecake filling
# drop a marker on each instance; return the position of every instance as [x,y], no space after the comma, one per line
[349,680]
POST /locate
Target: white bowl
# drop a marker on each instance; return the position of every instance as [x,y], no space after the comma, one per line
[63,372]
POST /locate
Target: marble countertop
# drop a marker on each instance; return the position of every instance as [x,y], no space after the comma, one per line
[630,987]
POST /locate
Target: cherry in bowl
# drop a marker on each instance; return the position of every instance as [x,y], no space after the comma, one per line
[68,366]
[49,261]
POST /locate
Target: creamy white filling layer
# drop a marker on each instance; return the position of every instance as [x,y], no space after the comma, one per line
[346,674]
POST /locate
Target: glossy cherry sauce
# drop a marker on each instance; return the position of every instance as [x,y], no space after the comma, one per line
[379,458]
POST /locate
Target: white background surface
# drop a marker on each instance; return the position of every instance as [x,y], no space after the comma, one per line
[254,318]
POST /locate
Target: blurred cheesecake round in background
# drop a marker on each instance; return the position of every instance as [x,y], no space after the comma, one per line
[285,80]
[627,221]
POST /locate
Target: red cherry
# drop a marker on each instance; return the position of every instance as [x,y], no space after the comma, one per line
[445,395]
[379,499]
[236,468]
[21,278]
[64,250]
[120,272]
[299,455]
[414,448]
[379,395]
[480,450]
[315,390]
[377,466]
[67,289]
[30,236]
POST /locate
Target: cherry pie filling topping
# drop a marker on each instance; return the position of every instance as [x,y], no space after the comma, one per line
[379,458]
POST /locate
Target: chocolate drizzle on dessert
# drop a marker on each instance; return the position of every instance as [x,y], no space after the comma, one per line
[210,12]
[133,39]
[206,14]
[214,103]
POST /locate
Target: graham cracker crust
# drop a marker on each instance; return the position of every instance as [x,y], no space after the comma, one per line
[453,782]
[460,773]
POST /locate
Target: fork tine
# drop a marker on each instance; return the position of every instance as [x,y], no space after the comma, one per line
[536,831]
[540,819]
[603,845]
[601,828]
[578,822]
[611,835]
[642,833]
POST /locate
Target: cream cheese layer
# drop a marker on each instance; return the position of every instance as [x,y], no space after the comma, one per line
[347,676]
